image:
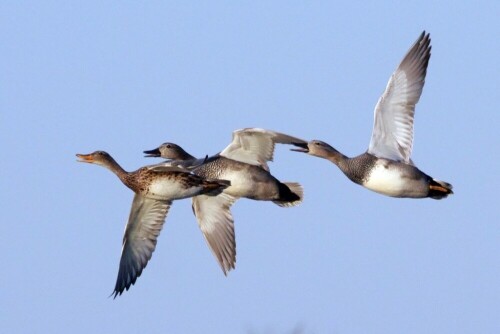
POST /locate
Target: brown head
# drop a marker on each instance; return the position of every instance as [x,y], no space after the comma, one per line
[169,151]
[98,157]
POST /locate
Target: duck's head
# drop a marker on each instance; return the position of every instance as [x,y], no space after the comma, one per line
[168,151]
[97,157]
[314,147]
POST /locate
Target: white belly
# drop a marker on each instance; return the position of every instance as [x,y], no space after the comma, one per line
[241,185]
[387,181]
[169,189]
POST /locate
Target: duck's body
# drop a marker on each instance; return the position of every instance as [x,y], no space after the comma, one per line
[384,176]
[396,179]
[386,167]
[392,178]
[155,188]
[244,164]
[247,180]
[162,184]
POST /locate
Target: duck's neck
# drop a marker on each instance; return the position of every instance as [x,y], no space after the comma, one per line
[335,156]
[183,155]
[113,166]
[338,159]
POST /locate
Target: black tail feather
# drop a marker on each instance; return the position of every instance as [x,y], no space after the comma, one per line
[439,189]
[290,194]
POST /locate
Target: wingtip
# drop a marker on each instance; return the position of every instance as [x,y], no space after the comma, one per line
[227,267]
[115,294]
[424,35]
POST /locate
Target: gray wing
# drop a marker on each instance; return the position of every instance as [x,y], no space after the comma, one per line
[216,222]
[139,242]
[256,146]
[392,135]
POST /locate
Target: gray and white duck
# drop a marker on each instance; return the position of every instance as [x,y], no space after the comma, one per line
[386,167]
[155,188]
[244,163]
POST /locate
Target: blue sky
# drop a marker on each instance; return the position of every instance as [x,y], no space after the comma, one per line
[125,77]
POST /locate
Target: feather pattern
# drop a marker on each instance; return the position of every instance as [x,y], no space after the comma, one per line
[392,136]
[146,220]
[255,146]
[217,225]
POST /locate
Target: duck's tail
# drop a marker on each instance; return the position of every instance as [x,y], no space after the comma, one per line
[214,186]
[291,194]
[439,189]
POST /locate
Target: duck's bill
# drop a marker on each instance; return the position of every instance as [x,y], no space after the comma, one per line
[153,153]
[85,158]
[301,147]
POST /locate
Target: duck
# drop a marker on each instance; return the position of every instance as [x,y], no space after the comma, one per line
[244,164]
[155,188]
[386,167]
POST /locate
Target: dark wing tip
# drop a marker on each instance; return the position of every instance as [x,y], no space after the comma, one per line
[124,282]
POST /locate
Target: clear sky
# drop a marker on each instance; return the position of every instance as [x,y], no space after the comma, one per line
[126,76]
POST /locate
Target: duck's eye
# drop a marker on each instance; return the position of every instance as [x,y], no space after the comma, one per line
[169,146]
[319,144]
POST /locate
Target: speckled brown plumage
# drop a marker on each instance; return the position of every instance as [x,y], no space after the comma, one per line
[155,188]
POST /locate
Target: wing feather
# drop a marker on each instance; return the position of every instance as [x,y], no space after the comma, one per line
[255,146]
[392,135]
[216,222]
[146,220]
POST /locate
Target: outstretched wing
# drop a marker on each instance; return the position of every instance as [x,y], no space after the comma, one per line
[216,222]
[392,135]
[256,146]
[139,242]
